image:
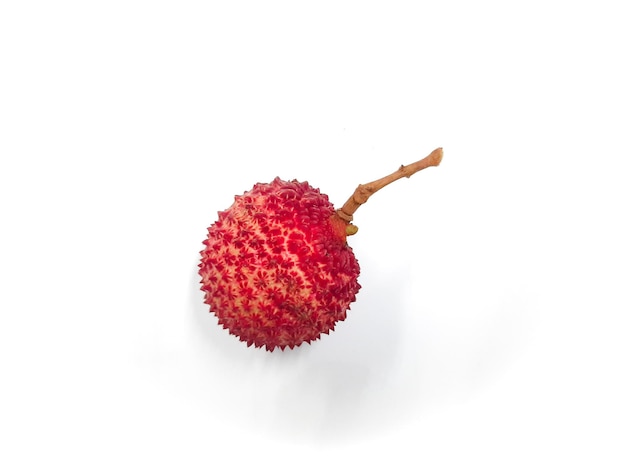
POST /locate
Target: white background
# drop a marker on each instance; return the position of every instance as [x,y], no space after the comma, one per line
[489,332]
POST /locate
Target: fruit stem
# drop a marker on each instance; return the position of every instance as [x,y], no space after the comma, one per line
[364,191]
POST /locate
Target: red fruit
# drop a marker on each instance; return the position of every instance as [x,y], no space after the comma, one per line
[277,270]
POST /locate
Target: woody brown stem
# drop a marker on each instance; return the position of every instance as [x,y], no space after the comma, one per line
[364,191]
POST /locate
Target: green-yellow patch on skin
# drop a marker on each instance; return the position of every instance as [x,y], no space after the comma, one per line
[351,229]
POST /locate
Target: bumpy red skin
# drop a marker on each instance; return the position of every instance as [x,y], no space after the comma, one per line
[277,270]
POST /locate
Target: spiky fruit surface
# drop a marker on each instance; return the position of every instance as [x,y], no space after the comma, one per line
[276,269]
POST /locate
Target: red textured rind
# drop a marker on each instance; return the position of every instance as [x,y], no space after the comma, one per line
[277,270]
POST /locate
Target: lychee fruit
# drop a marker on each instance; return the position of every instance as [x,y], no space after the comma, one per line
[276,268]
